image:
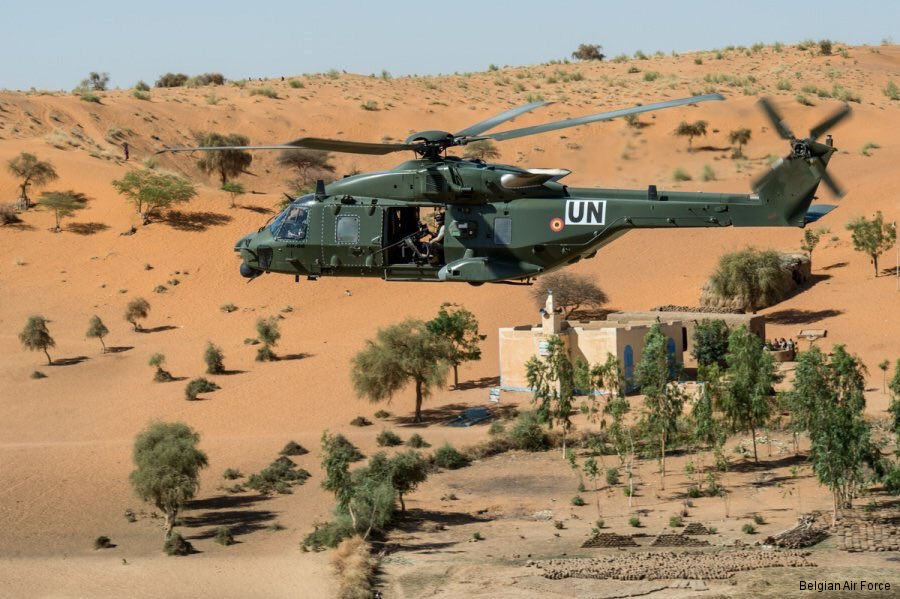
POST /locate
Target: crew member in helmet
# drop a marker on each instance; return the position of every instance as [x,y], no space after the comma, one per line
[436,243]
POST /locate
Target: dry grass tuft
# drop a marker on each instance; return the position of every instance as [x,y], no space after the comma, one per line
[355,566]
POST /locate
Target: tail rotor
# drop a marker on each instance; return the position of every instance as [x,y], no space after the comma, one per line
[815,154]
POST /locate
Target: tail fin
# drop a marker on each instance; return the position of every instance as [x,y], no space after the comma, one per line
[790,187]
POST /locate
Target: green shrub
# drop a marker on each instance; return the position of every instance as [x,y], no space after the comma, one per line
[141,86]
[329,534]
[198,386]
[527,434]
[784,85]
[177,545]
[577,501]
[708,173]
[803,100]
[89,96]
[140,95]
[612,476]
[758,519]
[296,83]
[228,308]
[388,438]
[232,474]
[825,47]
[681,175]
[600,523]
[447,457]
[360,421]
[293,448]
[628,491]
[341,444]
[268,92]
[748,529]
[698,60]
[417,441]
[559,524]
[277,477]
[102,542]
[37,374]
[675,522]
[172,80]
[370,105]
[693,492]
[651,76]
[752,276]
[224,536]
[634,522]
[476,536]
[892,91]
[265,354]
[214,359]
[382,414]
[496,428]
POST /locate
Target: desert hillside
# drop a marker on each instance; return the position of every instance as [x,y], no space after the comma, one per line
[65,440]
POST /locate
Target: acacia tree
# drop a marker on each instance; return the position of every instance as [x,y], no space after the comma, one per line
[663,399]
[750,374]
[588,52]
[739,137]
[310,165]
[811,238]
[752,276]
[552,383]
[570,292]
[31,171]
[872,237]
[460,327]
[402,353]
[483,149]
[691,130]
[405,471]
[97,330]
[36,337]
[62,203]
[137,309]
[150,190]
[225,163]
[167,467]
[828,399]
[95,81]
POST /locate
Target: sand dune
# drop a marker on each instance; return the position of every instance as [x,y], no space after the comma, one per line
[65,440]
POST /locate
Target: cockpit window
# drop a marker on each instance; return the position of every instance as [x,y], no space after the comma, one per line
[291,225]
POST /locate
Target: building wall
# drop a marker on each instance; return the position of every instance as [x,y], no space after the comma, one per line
[755,322]
[590,342]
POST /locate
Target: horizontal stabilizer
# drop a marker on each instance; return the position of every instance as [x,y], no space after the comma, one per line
[817,211]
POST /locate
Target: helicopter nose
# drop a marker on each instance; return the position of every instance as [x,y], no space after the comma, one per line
[247,271]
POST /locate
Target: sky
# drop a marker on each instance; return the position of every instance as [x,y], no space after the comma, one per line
[53,45]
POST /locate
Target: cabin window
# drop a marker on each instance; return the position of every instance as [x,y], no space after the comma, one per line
[346,229]
[292,224]
[503,231]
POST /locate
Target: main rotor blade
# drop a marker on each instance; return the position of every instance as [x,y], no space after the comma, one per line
[833,185]
[593,118]
[495,120]
[836,117]
[221,148]
[312,143]
[779,123]
[349,147]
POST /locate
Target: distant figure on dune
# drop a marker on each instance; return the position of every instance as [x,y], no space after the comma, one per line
[125,149]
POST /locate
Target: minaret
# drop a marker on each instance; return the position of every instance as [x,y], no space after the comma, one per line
[551,320]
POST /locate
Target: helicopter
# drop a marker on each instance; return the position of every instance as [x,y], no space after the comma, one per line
[502,223]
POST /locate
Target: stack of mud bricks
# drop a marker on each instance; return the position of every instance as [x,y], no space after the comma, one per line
[857,534]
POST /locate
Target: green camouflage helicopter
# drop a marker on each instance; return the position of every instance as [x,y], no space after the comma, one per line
[501,223]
